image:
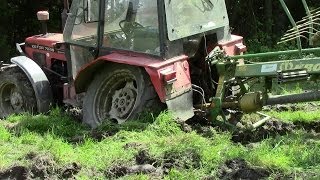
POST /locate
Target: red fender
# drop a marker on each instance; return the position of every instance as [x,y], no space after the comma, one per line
[170,78]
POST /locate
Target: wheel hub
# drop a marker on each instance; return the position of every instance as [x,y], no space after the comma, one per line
[123,102]
[16,100]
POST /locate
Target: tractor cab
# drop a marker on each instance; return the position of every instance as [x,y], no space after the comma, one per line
[159,28]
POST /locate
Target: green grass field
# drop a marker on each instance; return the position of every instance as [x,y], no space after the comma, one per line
[56,146]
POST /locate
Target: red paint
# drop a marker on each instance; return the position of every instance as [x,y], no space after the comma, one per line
[48,40]
[155,68]
[233,47]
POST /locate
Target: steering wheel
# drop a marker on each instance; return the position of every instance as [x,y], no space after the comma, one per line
[128,27]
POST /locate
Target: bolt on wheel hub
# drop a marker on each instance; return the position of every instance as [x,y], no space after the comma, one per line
[123,101]
[16,100]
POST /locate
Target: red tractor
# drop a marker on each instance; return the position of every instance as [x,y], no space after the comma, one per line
[117,58]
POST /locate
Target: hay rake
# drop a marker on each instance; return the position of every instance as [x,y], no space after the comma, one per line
[306,28]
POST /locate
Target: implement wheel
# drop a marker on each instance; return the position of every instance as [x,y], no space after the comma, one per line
[117,94]
[16,92]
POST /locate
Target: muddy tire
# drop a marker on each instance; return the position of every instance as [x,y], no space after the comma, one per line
[16,92]
[118,93]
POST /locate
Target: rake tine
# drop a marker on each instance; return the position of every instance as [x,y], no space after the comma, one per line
[292,39]
[299,32]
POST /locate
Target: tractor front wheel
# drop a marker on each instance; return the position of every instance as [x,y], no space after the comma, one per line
[16,92]
[118,93]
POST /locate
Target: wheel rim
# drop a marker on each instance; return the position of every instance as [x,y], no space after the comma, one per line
[11,99]
[116,98]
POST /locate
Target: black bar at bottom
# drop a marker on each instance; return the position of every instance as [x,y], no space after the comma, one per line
[294,98]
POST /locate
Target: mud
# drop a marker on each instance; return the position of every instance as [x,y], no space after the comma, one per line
[41,167]
[239,169]
[313,126]
[70,170]
[143,157]
[156,167]
[16,172]
[199,124]
[94,134]
[119,170]
[271,128]
[187,159]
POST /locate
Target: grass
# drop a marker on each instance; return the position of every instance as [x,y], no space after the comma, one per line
[294,116]
[196,155]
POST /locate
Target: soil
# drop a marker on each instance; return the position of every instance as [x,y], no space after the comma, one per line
[42,166]
[308,126]
[15,172]
[186,159]
[239,169]
[157,168]
[143,157]
[271,128]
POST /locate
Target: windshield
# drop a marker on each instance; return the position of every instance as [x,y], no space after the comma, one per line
[128,25]
[190,17]
[132,25]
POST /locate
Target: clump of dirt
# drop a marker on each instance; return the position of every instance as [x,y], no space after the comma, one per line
[15,172]
[146,164]
[239,169]
[198,123]
[119,171]
[143,157]
[95,134]
[308,126]
[271,128]
[187,159]
[74,112]
[42,166]
[70,170]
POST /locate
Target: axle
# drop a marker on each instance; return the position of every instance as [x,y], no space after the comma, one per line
[294,98]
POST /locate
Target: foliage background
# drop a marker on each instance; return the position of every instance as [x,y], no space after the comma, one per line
[261,22]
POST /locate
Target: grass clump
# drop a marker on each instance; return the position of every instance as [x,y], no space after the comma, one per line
[294,116]
[293,151]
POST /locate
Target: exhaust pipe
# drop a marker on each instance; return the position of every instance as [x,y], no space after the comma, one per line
[43,17]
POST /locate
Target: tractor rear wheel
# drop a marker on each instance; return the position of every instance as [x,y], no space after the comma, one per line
[118,93]
[16,92]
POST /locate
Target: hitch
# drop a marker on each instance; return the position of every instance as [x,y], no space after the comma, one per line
[234,74]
